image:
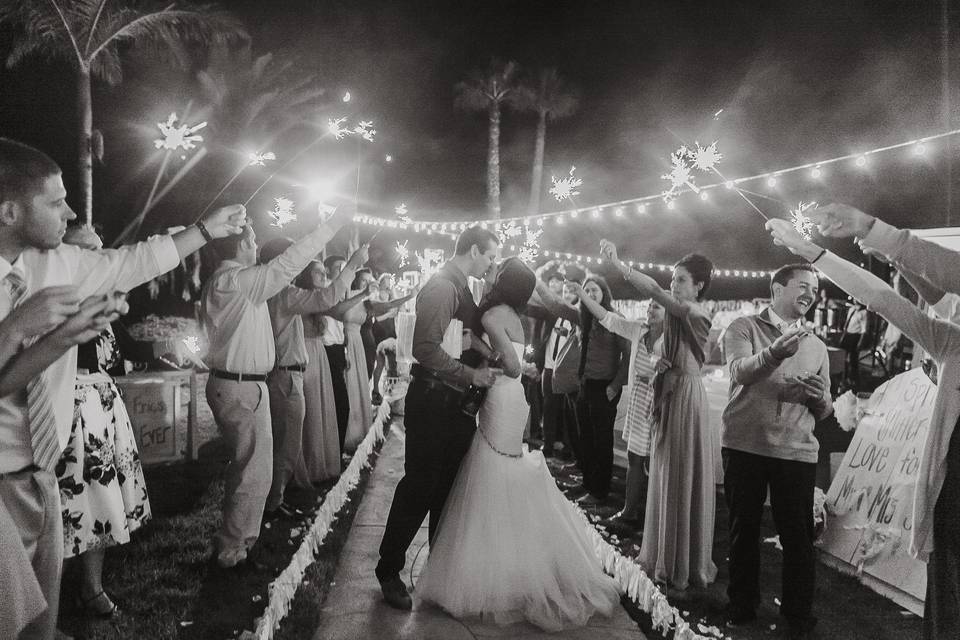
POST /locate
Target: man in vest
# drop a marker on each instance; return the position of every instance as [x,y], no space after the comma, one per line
[438,434]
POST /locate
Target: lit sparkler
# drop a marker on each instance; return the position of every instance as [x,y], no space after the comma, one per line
[178,136]
[282,213]
[530,250]
[335,128]
[403,252]
[801,223]
[706,158]
[192,343]
[258,159]
[566,188]
[401,211]
[365,130]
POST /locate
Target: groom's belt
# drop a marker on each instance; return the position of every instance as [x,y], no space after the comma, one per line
[431,380]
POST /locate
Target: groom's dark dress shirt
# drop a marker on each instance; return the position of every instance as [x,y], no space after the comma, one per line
[444,297]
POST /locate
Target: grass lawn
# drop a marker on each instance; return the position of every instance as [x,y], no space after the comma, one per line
[165,581]
[845,608]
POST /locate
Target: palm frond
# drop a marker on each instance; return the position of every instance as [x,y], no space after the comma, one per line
[202,24]
[107,67]
[43,30]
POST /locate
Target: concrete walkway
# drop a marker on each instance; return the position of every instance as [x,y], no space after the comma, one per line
[354,609]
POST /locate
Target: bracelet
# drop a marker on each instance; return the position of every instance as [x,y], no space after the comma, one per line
[822,253]
[203,231]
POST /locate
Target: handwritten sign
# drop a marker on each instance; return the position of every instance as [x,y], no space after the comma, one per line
[870,501]
[153,405]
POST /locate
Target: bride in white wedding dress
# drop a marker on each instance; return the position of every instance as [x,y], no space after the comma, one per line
[510,546]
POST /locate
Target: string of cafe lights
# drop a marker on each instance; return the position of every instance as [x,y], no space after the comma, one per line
[644,205]
[564,255]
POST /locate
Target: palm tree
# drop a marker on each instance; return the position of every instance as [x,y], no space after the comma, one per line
[89,35]
[488,91]
[552,99]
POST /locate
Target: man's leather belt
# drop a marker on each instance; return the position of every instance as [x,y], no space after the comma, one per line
[293,367]
[238,377]
[431,380]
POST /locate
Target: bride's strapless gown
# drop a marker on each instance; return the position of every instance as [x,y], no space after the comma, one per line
[510,546]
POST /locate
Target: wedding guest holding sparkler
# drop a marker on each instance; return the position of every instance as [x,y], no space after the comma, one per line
[646,338]
[602,356]
[320,450]
[357,377]
[242,353]
[936,498]
[678,525]
[286,382]
[35,416]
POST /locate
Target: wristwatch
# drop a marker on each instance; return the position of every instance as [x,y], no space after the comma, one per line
[203,231]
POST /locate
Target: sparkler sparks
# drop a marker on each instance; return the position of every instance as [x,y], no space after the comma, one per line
[192,343]
[531,245]
[801,223]
[336,130]
[258,159]
[401,211]
[566,188]
[403,252]
[178,136]
[706,158]
[365,130]
[282,213]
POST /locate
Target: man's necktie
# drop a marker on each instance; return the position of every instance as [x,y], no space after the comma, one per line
[40,413]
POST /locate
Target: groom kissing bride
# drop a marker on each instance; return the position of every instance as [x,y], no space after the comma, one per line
[504,542]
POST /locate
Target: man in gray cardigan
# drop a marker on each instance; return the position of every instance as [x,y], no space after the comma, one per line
[778,389]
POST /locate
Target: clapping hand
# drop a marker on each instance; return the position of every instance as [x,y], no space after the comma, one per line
[788,343]
[812,386]
[226,221]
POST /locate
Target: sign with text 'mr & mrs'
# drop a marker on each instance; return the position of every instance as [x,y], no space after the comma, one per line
[870,502]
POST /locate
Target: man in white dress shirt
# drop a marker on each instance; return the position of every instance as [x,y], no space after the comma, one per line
[242,353]
[35,421]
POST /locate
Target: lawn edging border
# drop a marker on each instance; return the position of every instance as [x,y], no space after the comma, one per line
[284,588]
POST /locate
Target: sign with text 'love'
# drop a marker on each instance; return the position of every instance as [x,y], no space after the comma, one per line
[870,502]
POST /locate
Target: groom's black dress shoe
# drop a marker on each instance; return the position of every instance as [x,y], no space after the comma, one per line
[395,594]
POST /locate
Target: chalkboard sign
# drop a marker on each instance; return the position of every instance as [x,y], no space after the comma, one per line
[870,500]
[154,406]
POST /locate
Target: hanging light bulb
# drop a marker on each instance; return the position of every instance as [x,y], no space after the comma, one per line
[704,196]
[861,160]
[919,149]
[574,213]
[816,172]
[772,181]
[671,205]
[728,184]
[596,214]
[641,208]
[618,212]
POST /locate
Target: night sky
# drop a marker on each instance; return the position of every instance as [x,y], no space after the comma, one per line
[797,82]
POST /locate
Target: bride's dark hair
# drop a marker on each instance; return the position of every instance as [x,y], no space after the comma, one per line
[514,286]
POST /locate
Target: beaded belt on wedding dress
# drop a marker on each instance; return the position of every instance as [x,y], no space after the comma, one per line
[490,444]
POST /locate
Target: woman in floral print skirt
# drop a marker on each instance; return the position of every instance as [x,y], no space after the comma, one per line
[102,492]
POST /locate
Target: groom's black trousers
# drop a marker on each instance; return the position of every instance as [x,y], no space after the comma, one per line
[438,436]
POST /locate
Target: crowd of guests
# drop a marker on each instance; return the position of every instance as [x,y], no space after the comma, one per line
[291,352]
[293,342]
